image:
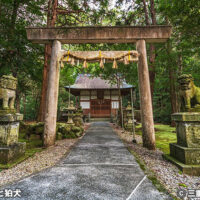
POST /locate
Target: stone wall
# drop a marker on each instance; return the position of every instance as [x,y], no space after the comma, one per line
[63,130]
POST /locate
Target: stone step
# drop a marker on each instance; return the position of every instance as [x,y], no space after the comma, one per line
[100,119]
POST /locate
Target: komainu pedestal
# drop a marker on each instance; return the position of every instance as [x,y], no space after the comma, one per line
[10,148]
[186,152]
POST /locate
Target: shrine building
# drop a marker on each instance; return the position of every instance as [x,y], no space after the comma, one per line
[98,98]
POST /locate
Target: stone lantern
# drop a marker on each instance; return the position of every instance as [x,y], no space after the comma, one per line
[10,148]
[129,124]
[80,111]
[78,117]
[70,113]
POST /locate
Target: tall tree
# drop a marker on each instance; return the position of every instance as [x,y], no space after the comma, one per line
[17,54]
[51,19]
[152,54]
[54,10]
[172,81]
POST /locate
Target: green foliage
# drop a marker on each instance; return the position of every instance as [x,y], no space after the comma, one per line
[24,60]
[185,16]
[164,136]
[183,185]
[18,56]
[67,77]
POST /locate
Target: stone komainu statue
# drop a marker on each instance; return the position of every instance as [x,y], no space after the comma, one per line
[8,85]
[189,93]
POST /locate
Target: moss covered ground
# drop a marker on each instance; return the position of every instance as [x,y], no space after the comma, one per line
[34,142]
[165,134]
[33,145]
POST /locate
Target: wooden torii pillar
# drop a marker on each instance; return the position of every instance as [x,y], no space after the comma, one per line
[52,96]
[116,34]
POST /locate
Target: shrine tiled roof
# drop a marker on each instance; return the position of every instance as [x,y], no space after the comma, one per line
[86,81]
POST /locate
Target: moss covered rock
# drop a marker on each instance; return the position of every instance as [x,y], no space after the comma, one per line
[78,120]
[77,130]
[63,130]
[59,136]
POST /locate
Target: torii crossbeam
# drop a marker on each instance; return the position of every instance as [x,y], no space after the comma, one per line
[100,34]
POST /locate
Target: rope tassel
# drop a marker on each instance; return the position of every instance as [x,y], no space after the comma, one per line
[72,61]
[85,65]
[129,56]
[61,64]
[101,64]
[67,56]
[126,60]
[115,64]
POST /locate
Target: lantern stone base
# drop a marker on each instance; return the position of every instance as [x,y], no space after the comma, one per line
[129,127]
[9,154]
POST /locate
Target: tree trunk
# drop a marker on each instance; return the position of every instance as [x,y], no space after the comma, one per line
[153,12]
[152,73]
[152,56]
[54,13]
[148,134]
[47,57]
[11,50]
[52,97]
[152,50]
[17,100]
[14,16]
[180,64]
[172,78]
[24,102]
[146,12]
[51,19]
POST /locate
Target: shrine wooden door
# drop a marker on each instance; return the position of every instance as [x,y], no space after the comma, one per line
[100,108]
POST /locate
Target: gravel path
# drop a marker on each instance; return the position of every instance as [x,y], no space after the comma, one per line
[98,167]
[39,161]
[168,174]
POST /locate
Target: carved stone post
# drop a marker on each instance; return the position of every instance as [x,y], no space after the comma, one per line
[52,97]
[185,154]
[148,133]
[10,148]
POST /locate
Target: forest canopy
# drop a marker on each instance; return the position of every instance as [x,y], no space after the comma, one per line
[26,61]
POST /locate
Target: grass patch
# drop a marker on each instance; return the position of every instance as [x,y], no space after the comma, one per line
[7,166]
[183,185]
[139,161]
[157,183]
[33,145]
[150,174]
[164,134]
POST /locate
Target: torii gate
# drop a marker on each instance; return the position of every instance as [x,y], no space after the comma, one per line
[103,34]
